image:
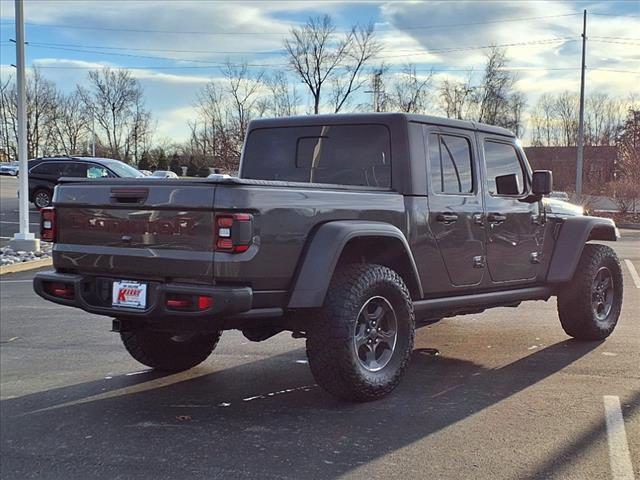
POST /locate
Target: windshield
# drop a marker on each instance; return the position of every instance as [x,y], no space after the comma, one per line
[121,169]
[159,173]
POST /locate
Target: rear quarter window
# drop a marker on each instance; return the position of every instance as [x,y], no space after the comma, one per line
[337,154]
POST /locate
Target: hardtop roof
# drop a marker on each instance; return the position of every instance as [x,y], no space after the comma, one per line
[348,118]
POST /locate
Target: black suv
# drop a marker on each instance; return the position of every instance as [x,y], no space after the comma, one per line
[45,172]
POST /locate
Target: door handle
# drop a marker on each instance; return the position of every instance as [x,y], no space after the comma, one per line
[446,218]
[496,217]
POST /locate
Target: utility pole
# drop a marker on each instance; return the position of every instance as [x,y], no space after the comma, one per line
[23,240]
[376,90]
[93,133]
[580,160]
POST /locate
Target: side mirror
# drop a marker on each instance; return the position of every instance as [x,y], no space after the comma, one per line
[542,182]
[508,185]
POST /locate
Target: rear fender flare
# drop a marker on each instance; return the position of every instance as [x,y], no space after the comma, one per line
[323,252]
[574,233]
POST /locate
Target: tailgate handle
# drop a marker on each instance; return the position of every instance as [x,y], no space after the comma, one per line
[129,195]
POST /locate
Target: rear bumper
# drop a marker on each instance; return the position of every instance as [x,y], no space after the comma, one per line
[227,301]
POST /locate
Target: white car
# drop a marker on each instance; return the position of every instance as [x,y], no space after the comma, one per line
[163,174]
[9,169]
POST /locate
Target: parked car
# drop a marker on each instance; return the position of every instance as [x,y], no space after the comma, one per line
[9,169]
[347,230]
[218,176]
[559,195]
[163,174]
[45,173]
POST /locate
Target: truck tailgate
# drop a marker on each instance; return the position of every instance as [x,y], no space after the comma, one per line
[136,229]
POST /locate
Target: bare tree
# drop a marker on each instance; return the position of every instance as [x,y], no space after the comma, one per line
[517,104]
[566,111]
[410,92]
[214,137]
[41,97]
[457,98]
[283,99]
[543,121]
[362,48]
[318,57]
[498,102]
[7,119]
[71,124]
[115,99]
[244,92]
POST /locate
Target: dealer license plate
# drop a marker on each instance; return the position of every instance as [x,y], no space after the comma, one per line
[129,294]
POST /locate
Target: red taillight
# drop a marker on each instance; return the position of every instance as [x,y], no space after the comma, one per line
[48,224]
[233,232]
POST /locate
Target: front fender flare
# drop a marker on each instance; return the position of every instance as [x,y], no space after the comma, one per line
[574,233]
[323,252]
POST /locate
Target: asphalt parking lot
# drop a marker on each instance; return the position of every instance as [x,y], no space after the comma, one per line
[508,396]
[9,219]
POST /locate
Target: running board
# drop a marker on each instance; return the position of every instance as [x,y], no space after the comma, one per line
[484,300]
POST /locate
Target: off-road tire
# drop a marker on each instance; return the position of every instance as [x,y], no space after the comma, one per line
[331,347]
[41,193]
[161,350]
[575,301]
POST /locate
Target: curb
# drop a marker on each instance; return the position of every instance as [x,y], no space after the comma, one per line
[24,266]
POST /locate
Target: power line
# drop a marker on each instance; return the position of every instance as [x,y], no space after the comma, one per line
[614,15]
[459,69]
[211,63]
[615,42]
[616,38]
[235,32]
[107,47]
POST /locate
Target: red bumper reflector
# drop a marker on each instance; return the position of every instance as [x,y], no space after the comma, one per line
[61,290]
[177,303]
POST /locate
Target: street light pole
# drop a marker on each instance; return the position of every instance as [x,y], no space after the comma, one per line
[23,240]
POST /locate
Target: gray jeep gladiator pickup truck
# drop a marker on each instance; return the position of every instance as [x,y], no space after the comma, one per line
[347,230]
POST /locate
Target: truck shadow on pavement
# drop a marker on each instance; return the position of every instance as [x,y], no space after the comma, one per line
[263,419]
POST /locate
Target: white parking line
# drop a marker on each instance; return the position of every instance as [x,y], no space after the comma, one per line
[133,389]
[619,455]
[633,272]
[16,223]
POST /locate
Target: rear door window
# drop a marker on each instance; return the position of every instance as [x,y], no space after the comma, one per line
[47,168]
[74,169]
[336,154]
[451,164]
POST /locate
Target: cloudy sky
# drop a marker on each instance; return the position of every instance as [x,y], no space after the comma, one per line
[175,47]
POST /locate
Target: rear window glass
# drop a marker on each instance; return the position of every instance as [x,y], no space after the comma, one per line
[47,168]
[340,154]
